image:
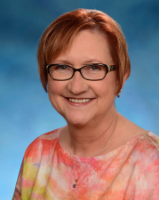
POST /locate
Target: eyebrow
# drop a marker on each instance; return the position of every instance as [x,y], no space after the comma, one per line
[92,61]
[63,61]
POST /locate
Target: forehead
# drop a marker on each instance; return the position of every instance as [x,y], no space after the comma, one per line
[87,45]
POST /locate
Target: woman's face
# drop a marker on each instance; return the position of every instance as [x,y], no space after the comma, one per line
[86,48]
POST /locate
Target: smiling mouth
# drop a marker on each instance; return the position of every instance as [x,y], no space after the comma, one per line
[79,100]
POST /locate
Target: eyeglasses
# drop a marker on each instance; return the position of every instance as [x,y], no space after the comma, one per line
[92,72]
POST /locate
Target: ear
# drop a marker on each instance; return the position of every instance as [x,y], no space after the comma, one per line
[124,79]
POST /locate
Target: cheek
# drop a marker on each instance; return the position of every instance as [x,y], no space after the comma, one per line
[107,88]
[54,87]
[53,92]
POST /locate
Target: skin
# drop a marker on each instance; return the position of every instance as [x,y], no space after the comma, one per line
[89,124]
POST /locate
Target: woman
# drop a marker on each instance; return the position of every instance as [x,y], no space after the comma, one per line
[83,65]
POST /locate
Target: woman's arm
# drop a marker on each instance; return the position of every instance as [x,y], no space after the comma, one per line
[17,192]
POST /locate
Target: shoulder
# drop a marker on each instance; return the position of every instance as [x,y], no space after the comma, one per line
[145,149]
[148,143]
[147,182]
[42,144]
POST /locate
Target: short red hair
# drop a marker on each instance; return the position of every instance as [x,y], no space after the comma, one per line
[60,33]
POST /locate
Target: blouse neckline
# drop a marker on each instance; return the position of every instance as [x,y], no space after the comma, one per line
[109,154]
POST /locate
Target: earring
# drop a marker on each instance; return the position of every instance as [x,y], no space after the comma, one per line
[118,95]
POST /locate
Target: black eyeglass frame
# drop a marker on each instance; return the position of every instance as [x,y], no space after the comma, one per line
[108,69]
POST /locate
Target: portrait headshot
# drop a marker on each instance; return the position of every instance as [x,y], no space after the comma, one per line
[80,100]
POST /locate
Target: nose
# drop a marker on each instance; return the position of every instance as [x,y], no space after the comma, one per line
[77,84]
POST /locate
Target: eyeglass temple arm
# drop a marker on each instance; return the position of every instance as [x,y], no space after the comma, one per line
[47,67]
[111,67]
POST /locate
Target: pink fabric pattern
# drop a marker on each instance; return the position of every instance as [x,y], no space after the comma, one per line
[131,172]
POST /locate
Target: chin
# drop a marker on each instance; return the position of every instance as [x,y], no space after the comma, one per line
[77,121]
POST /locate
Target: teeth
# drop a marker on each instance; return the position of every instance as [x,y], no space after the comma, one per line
[79,100]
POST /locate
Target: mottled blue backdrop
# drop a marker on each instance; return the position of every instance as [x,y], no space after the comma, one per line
[25,111]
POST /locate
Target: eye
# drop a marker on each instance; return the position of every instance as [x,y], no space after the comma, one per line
[95,68]
[60,67]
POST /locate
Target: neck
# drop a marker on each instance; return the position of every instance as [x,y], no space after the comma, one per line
[94,138]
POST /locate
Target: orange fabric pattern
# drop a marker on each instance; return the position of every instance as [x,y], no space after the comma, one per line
[131,172]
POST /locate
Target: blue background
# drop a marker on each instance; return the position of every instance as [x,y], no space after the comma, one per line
[25,111]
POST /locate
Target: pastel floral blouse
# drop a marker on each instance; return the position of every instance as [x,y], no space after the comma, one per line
[131,172]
